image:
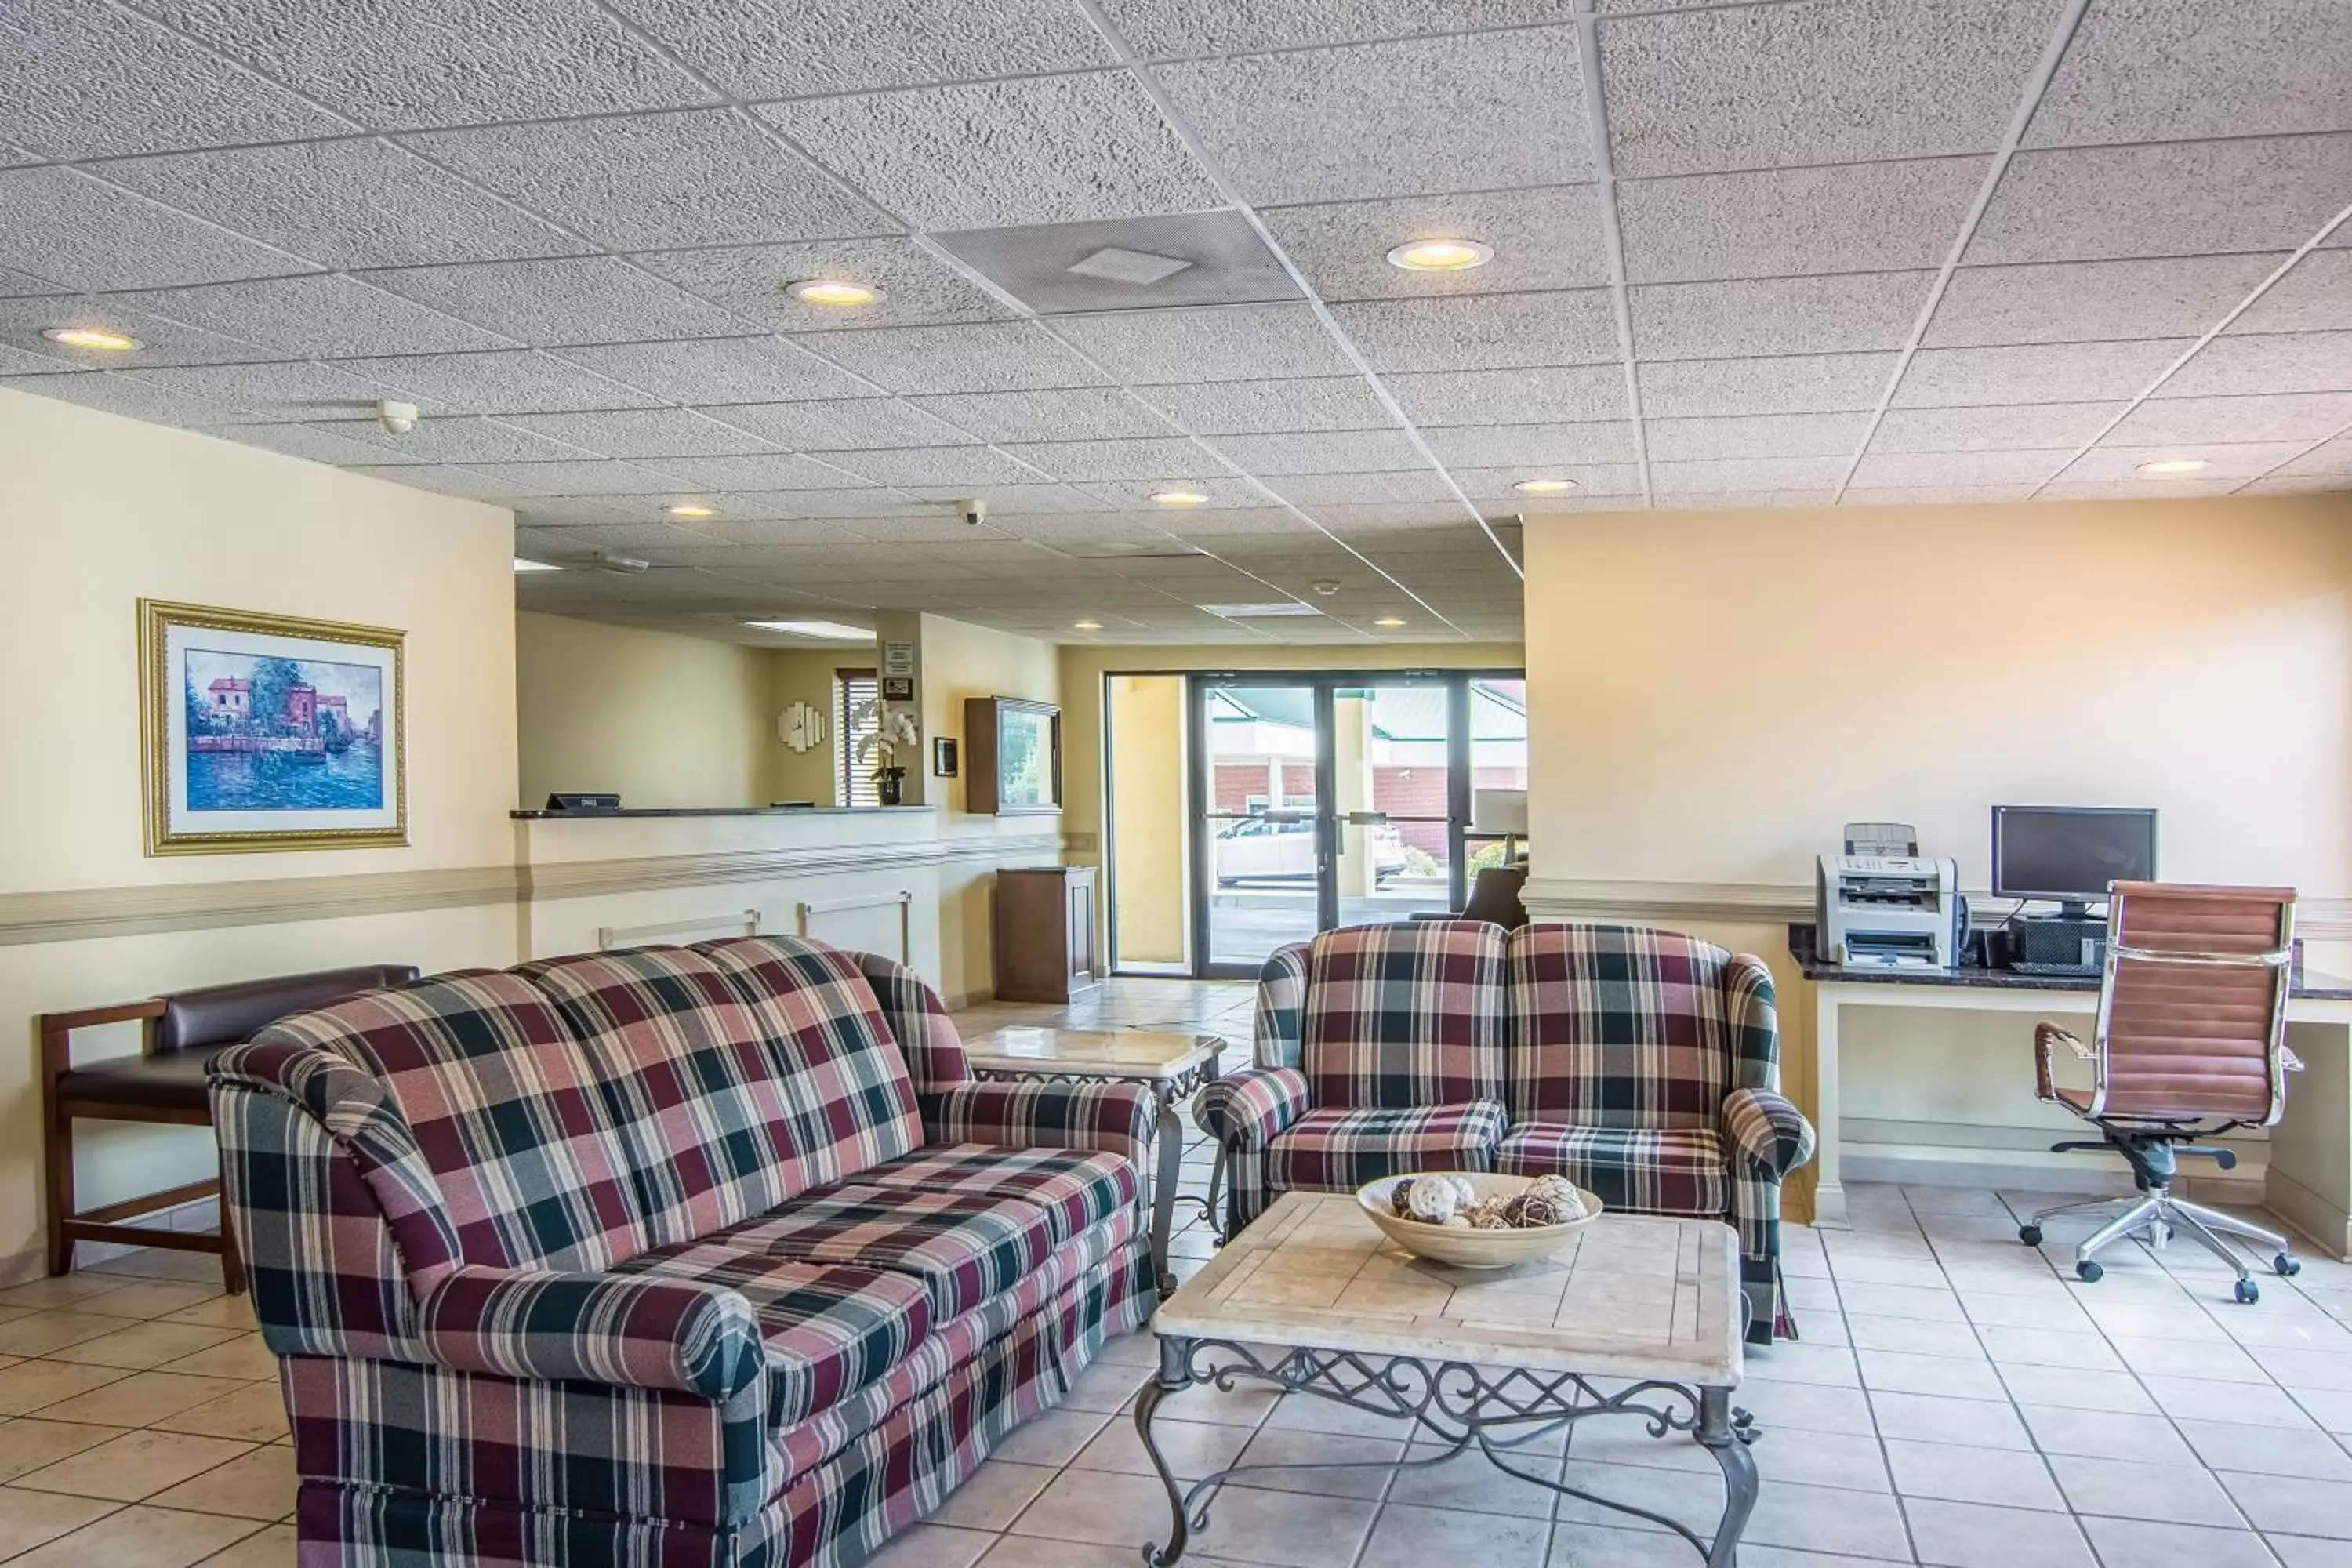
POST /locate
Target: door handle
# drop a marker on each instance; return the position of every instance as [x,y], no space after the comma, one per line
[1363,818]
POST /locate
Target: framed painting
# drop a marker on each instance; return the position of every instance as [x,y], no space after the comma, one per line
[268,732]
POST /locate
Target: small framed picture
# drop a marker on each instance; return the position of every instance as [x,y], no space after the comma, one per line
[944,756]
[897,689]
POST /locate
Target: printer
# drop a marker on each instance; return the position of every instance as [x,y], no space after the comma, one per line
[1883,905]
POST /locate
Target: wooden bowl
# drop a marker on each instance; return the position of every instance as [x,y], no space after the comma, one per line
[1472,1248]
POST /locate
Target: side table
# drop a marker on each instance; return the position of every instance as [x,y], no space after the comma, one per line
[1171,1066]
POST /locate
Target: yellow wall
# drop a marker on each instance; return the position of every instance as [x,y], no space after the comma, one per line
[1147,766]
[805,676]
[97,511]
[661,719]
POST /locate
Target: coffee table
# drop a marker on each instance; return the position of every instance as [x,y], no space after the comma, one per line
[1171,1066]
[1637,1317]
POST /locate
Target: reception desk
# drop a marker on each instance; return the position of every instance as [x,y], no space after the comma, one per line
[2305,1160]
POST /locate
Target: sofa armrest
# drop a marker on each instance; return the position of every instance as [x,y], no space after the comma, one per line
[1278,1021]
[635,1331]
[1116,1118]
[1768,1132]
[1245,1110]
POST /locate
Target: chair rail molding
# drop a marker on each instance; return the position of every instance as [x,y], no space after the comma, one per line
[85,914]
[594,879]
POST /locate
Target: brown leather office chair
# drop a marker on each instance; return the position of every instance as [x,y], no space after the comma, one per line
[2191,1043]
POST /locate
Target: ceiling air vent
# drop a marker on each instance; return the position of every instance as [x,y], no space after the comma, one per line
[1121,265]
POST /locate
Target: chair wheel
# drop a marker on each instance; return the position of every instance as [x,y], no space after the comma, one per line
[2030,1234]
[2248,1291]
[2089,1271]
[2286,1265]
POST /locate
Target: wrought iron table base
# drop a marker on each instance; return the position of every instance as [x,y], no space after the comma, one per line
[1462,1405]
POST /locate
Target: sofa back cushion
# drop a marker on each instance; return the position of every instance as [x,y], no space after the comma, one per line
[1617,1026]
[506,1113]
[843,1070]
[1403,1015]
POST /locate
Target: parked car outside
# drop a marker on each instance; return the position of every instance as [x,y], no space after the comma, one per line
[1282,849]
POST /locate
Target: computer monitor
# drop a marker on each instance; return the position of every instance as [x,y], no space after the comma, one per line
[2069,853]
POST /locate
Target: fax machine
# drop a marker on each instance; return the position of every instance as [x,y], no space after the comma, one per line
[1883,905]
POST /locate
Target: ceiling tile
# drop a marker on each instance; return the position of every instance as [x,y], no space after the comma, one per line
[1462,112]
[1536,395]
[1547,239]
[2275,416]
[1195,258]
[441,480]
[253,394]
[2033,466]
[1847,313]
[2224,460]
[1053,149]
[769,471]
[164,341]
[1227,342]
[317,315]
[1356,490]
[1068,414]
[724,370]
[1741,500]
[1770,223]
[1987,429]
[1484,331]
[1539,445]
[12,282]
[2039,372]
[1323,452]
[1164,29]
[1083,461]
[2266,361]
[777,48]
[1266,407]
[576,477]
[1757,435]
[1770,473]
[2284,484]
[2328,457]
[500,381]
[964,465]
[454,439]
[844,425]
[1785,384]
[1491,488]
[1012,499]
[316,443]
[703,176]
[441,62]
[1935,495]
[582,299]
[1817,81]
[80,80]
[1225,491]
[756,532]
[2133,489]
[916,288]
[2082,301]
[998,356]
[2144,70]
[2083,203]
[63,223]
[2315,296]
[644,433]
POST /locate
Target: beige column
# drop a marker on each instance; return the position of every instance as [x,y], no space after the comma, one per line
[1352,771]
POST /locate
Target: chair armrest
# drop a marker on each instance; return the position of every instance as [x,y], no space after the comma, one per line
[2046,1034]
[633,1331]
[1114,1117]
[2288,1061]
[1768,1132]
[1245,1110]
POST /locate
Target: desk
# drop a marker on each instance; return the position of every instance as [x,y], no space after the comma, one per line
[2309,1179]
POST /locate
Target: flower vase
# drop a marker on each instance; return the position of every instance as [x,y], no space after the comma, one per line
[887,785]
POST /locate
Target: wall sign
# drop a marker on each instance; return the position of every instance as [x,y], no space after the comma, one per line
[898,658]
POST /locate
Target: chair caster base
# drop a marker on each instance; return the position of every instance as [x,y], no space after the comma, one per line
[2246,1290]
[2030,1234]
[2088,1271]
[2286,1266]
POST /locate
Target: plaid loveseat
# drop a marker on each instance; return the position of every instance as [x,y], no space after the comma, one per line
[1641,1065]
[674,1257]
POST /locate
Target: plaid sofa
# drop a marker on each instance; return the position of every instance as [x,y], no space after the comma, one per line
[674,1257]
[1642,1065]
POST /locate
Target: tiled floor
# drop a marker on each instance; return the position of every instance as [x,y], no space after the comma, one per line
[1957,1400]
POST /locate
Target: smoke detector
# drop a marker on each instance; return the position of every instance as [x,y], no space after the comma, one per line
[397,419]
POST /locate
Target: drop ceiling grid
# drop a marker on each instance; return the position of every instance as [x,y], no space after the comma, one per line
[1760,368]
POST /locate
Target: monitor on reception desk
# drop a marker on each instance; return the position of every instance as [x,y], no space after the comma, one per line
[2069,853]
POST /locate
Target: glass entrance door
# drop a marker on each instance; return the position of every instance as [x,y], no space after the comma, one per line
[1398,799]
[1263,840]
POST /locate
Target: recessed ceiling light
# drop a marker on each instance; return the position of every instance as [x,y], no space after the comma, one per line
[1441,255]
[1260,612]
[93,338]
[832,291]
[692,508]
[522,564]
[832,629]
[1544,486]
[1389,622]
[2162,467]
[1087,625]
[1179,498]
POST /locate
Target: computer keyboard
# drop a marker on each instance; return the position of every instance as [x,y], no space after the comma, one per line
[2087,971]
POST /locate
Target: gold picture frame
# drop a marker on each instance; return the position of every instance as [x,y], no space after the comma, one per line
[269,732]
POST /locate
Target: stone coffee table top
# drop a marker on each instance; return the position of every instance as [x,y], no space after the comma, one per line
[1091,1053]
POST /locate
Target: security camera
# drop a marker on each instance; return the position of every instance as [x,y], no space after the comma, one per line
[975,510]
[397,419]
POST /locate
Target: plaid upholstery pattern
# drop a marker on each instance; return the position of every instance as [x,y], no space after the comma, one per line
[1650,1170]
[1278,1022]
[1767,1131]
[919,1022]
[1404,1015]
[1618,1027]
[1077,1190]
[963,1248]
[1244,1113]
[1340,1151]
[602,1328]
[1115,1117]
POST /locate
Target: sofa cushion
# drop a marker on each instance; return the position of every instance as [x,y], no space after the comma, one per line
[1616,1027]
[1649,1170]
[828,1331]
[841,1064]
[1403,1015]
[963,1248]
[1340,1151]
[1076,1189]
[506,1113]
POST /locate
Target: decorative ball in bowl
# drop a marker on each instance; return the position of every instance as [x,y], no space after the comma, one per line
[1475,1219]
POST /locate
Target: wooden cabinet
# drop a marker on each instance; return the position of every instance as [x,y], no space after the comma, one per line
[1045,920]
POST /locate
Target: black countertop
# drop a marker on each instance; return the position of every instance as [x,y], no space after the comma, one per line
[1973,977]
[716,811]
